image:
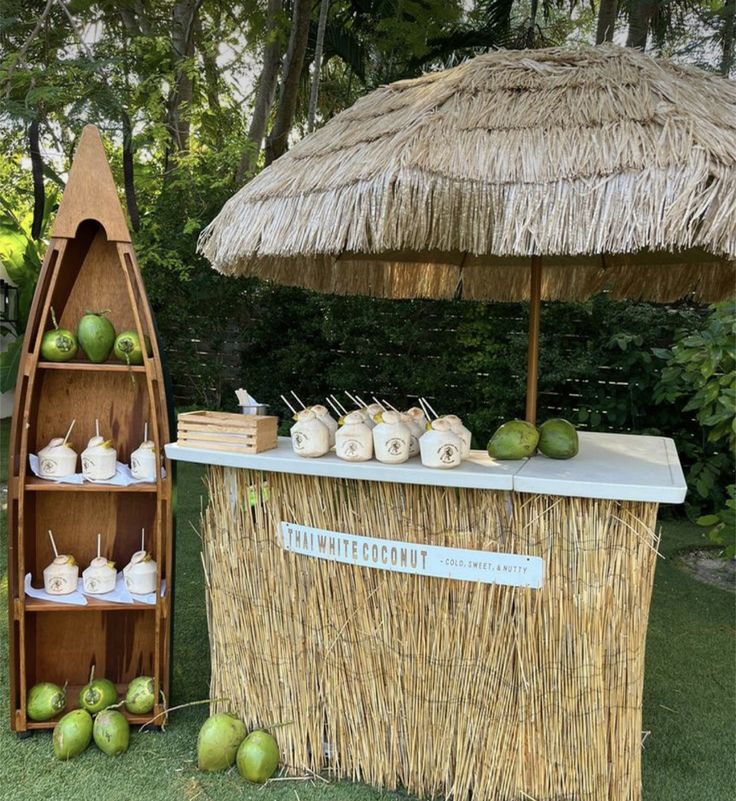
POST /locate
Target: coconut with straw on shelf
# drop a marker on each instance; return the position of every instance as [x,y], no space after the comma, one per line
[139,574]
[100,576]
[440,446]
[310,437]
[143,459]
[99,458]
[60,577]
[354,440]
[457,427]
[391,438]
[322,413]
[58,459]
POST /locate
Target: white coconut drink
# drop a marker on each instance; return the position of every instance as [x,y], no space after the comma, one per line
[418,416]
[440,447]
[139,574]
[62,575]
[58,459]
[354,439]
[322,413]
[100,576]
[391,438]
[416,430]
[143,459]
[310,437]
[99,458]
[457,427]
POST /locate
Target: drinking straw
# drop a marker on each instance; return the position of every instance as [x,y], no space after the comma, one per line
[358,404]
[69,431]
[362,402]
[99,537]
[339,405]
[97,427]
[288,404]
[298,399]
[53,544]
[425,409]
[393,408]
[145,432]
[375,400]
[143,539]
[430,408]
[334,408]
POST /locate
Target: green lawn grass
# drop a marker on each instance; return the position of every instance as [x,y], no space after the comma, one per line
[689,699]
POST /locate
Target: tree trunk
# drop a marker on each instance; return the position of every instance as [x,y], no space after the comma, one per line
[128,174]
[607,14]
[182,45]
[277,142]
[209,62]
[727,37]
[265,91]
[641,13]
[317,63]
[39,194]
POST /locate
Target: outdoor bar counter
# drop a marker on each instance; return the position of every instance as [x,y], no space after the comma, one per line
[492,681]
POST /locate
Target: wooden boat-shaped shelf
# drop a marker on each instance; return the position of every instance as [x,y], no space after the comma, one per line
[90,265]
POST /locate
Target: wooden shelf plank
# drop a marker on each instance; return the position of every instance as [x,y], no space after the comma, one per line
[35,484]
[93,605]
[105,367]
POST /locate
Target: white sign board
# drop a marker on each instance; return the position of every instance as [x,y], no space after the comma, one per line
[463,564]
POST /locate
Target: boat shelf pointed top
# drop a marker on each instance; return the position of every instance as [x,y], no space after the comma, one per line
[90,193]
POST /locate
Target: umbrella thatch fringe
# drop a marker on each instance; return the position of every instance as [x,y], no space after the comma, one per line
[662,210]
[567,153]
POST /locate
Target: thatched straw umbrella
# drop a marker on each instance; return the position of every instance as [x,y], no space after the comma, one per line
[618,168]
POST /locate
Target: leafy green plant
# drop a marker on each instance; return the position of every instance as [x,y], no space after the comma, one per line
[701,369]
[20,256]
[722,525]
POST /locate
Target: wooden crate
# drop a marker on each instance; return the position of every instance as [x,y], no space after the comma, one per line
[222,431]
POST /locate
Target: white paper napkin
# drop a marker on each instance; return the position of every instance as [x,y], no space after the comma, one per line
[74,598]
[122,478]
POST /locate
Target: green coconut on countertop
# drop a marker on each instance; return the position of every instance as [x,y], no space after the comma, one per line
[218,741]
[558,439]
[516,439]
[72,734]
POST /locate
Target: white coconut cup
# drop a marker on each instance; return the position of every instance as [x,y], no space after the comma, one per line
[143,461]
[457,427]
[417,415]
[139,575]
[99,577]
[57,460]
[415,431]
[309,436]
[440,447]
[391,439]
[323,415]
[98,463]
[354,439]
[60,578]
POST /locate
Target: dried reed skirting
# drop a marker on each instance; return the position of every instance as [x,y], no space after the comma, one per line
[564,152]
[443,687]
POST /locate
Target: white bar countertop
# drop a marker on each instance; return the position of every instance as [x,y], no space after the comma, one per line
[621,467]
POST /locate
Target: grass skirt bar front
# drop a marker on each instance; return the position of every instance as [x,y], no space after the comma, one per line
[439,686]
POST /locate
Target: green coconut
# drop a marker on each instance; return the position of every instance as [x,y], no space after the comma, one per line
[72,734]
[516,439]
[97,695]
[558,439]
[45,701]
[218,741]
[128,348]
[258,757]
[59,344]
[96,336]
[140,699]
[111,731]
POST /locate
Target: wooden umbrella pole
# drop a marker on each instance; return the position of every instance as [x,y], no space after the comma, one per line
[535,304]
